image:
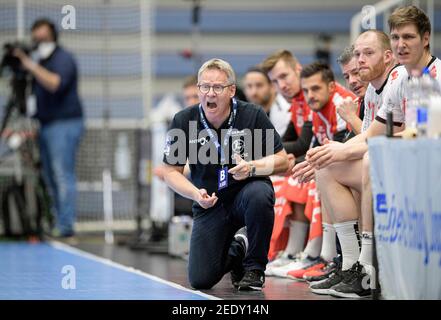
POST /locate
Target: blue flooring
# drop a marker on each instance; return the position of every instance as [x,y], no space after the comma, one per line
[34,272]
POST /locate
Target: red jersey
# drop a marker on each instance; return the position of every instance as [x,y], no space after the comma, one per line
[300,112]
[327,122]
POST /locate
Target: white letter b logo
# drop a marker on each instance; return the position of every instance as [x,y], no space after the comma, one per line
[222,175]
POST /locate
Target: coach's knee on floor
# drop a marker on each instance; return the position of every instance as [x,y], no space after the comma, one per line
[201,281]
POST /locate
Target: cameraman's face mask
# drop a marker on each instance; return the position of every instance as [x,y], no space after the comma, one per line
[44,50]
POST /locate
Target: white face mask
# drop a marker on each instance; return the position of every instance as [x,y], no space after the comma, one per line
[45,49]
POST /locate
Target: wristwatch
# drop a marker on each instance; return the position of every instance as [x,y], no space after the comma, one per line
[252,170]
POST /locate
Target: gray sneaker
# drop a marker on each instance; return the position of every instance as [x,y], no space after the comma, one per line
[325,286]
[356,285]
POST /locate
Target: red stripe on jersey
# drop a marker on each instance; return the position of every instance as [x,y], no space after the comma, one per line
[325,122]
[394,75]
[300,112]
[433,71]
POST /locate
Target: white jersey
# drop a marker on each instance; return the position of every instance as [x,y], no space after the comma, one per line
[396,97]
[280,114]
[373,99]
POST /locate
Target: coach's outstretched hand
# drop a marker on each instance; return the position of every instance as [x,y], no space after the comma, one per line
[204,200]
[242,170]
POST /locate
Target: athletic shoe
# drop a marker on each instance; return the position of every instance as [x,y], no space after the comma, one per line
[56,233]
[66,237]
[237,272]
[318,263]
[322,273]
[304,262]
[242,238]
[325,286]
[356,285]
[253,280]
[283,259]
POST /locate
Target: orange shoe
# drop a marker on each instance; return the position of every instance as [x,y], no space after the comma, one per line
[298,274]
[323,272]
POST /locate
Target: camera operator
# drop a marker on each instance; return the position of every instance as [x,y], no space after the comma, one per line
[59,112]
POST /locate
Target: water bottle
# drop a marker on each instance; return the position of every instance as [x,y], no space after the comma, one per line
[420,89]
[434,117]
[413,99]
[429,87]
[122,157]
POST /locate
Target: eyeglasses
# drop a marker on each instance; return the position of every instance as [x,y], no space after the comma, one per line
[217,88]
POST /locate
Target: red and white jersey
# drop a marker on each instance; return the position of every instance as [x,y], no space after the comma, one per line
[373,98]
[327,121]
[396,97]
[300,112]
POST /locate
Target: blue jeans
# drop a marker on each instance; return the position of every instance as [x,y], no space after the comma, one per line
[59,141]
[212,248]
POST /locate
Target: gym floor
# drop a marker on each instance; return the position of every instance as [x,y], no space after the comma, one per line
[175,270]
[114,272]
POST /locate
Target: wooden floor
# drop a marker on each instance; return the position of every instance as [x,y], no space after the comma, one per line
[175,270]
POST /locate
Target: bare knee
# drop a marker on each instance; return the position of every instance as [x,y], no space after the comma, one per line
[322,175]
[365,170]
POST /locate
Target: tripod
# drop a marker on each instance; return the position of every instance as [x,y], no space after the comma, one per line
[25,202]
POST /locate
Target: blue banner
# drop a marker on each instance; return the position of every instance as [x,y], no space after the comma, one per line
[406,187]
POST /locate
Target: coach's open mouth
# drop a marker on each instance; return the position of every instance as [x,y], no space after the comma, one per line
[211,105]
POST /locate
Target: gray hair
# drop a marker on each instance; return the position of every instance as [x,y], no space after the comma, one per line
[346,56]
[221,65]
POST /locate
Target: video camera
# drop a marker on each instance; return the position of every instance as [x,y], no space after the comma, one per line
[12,62]
[19,80]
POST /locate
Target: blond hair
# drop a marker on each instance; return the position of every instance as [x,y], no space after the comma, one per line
[410,15]
[270,61]
[221,65]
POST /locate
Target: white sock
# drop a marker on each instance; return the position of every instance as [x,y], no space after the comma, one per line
[329,243]
[366,257]
[313,247]
[297,234]
[347,233]
[366,249]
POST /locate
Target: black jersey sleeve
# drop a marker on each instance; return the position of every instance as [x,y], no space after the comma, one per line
[299,146]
